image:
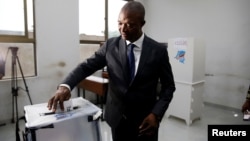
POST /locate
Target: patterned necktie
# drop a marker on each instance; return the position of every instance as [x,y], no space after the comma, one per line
[131,60]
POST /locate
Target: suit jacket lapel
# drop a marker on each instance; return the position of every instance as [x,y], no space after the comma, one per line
[145,53]
[123,57]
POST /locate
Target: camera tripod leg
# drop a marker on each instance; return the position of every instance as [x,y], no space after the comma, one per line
[15,110]
[14,91]
[25,84]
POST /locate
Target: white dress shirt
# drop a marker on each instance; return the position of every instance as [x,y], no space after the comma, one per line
[137,50]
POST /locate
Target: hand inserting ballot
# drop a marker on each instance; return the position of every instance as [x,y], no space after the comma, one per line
[62,94]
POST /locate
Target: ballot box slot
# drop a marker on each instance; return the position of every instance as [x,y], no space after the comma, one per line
[52,113]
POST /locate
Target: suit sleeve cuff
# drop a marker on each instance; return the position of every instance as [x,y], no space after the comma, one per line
[65,85]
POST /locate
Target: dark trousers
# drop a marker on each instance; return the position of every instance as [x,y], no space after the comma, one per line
[127,130]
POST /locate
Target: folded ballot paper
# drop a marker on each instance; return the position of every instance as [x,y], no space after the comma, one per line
[38,115]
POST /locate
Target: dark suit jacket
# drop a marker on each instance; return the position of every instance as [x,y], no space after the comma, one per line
[133,100]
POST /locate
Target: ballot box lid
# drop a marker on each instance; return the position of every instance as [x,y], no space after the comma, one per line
[38,115]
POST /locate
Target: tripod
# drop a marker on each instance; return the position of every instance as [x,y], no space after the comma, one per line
[14,84]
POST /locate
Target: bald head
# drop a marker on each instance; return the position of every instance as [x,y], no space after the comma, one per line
[131,20]
[135,8]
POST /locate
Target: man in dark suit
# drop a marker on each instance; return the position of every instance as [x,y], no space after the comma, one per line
[246,105]
[2,67]
[133,108]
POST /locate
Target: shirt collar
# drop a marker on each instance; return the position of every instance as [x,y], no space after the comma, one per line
[138,42]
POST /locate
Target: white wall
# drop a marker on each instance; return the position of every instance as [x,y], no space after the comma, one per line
[224,25]
[57,53]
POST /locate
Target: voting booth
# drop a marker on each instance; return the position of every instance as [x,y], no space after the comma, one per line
[79,122]
[187,57]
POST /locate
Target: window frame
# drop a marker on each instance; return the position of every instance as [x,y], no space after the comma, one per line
[23,39]
[106,29]
[4,38]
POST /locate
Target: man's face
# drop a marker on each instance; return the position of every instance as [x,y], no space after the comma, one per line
[130,26]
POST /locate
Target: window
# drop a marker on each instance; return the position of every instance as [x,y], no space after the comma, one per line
[92,20]
[17,34]
[95,18]
[113,13]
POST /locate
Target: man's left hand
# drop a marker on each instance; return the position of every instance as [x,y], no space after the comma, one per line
[149,125]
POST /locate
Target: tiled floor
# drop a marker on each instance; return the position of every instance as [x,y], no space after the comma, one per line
[171,129]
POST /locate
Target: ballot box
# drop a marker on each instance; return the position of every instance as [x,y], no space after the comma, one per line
[79,122]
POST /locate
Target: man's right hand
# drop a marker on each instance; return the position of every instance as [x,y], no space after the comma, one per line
[62,94]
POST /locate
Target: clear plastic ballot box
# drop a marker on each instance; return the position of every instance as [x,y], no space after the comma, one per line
[79,122]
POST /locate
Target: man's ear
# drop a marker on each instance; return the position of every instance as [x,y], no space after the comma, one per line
[143,22]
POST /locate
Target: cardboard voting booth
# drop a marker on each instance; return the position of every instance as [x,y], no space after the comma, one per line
[79,122]
[187,57]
